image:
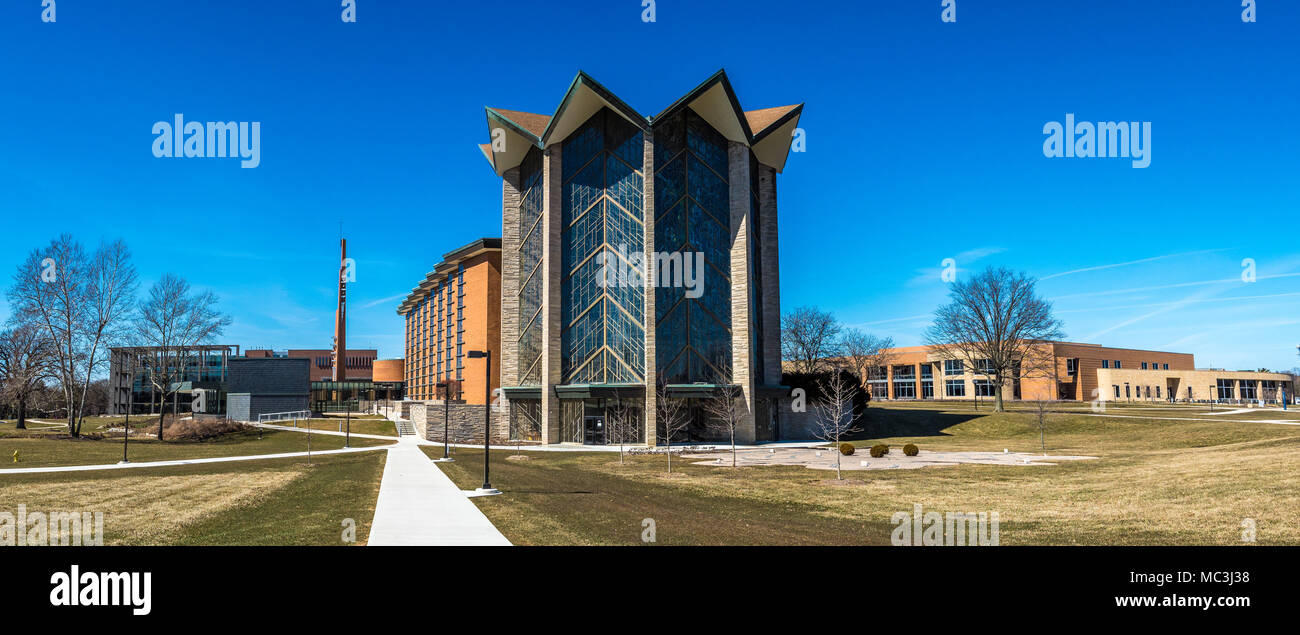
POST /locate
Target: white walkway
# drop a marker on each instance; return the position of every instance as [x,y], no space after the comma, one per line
[419,505]
[147,464]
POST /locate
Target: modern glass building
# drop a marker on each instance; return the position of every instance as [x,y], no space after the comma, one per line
[636,251]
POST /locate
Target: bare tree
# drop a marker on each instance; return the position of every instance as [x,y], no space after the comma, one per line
[671,414]
[836,412]
[623,424]
[81,302]
[864,351]
[173,323]
[1041,410]
[25,364]
[809,338]
[724,407]
[995,322]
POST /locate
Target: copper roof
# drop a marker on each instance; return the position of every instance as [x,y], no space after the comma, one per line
[762,118]
[531,122]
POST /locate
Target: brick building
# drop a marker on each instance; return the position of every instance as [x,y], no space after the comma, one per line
[359,363]
[455,309]
[1075,372]
[596,184]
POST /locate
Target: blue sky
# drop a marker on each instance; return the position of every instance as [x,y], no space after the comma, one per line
[924,142]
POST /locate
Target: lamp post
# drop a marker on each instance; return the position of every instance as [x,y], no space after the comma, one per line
[446,416]
[130,403]
[487,488]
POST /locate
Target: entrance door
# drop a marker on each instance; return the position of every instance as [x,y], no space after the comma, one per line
[593,430]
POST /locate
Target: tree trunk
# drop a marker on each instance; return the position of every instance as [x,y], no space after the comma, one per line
[670,455]
[22,414]
[733,445]
[997,395]
[161,415]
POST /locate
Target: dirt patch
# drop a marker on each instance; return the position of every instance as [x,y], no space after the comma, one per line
[519,457]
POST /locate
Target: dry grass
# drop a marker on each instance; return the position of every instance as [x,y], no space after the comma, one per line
[148,510]
[1155,483]
[271,502]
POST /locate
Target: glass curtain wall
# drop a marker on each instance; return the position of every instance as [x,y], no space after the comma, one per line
[693,214]
[602,338]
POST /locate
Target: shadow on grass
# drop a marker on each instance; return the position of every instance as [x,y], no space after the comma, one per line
[883,423]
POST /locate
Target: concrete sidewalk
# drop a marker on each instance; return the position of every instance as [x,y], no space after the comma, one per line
[148,464]
[419,505]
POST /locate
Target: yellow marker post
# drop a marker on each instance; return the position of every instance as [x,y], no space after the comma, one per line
[15,456]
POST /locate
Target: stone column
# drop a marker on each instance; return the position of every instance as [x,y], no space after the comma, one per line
[552,258]
[648,319]
[741,226]
[771,269]
[510,277]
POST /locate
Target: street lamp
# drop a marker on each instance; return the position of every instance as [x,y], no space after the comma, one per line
[487,488]
[130,403]
[446,415]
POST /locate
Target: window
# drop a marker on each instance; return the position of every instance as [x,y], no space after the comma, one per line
[927,371]
[1072,366]
[1117,391]
[984,388]
[1248,389]
[1225,389]
[1105,363]
[904,372]
[1144,365]
[1128,391]
[876,373]
[1118,364]
[984,366]
[905,390]
[927,390]
[1148,392]
[1157,392]
[1155,365]
[955,387]
[954,367]
[1166,367]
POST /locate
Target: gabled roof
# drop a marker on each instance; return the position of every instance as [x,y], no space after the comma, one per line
[767,131]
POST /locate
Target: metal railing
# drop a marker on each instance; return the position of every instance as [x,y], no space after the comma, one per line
[268,417]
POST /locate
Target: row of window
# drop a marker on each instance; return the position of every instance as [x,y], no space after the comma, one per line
[951,388]
[435,335]
[1107,363]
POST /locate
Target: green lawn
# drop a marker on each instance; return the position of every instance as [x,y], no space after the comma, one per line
[47,448]
[368,424]
[1155,482]
[272,502]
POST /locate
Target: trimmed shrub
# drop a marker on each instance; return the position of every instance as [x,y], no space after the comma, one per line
[846,449]
[911,449]
[879,450]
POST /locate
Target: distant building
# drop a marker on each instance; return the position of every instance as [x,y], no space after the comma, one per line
[267,385]
[358,364]
[131,389]
[1075,372]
